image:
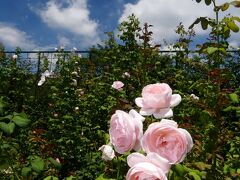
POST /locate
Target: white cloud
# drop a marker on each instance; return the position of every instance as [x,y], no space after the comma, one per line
[12,37]
[165,15]
[71,16]
[63,41]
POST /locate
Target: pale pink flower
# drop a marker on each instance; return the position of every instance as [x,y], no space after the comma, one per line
[117,85]
[152,158]
[126,130]
[157,99]
[57,159]
[167,140]
[107,152]
[145,169]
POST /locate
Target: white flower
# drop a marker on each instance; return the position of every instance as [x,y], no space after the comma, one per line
[74,49]
[126,74]
[47,73]
[42,80]
[107,152]
[76,108]
[15,56]
[56,49]
[74,82]
[43,77]
[79,55]
[194,97]
[74,73]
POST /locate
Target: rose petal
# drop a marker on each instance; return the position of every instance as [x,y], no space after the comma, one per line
[189,138]
[136,115]
[135,158]
[145,170]
[176,99]
[159,161]
[163,113]
[146,112]
[167,122]
[139,102]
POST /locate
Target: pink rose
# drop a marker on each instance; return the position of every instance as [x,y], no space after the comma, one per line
[157,99]
[117,85]
[153,158]
[145,170]
[167,140]
[126,130]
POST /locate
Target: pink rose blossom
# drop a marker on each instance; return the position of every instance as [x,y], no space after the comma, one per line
[157,99]
[117,85]
[167,140]
[145,170]
[126,130]
[152,158]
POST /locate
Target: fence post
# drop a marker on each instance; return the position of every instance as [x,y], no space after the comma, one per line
[37,75]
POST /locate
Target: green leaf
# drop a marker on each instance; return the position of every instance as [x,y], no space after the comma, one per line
[233,26]
[8,128]
[208,2]
[20,121]
[224,7]
[211,50]
[194,175]
[71,178]
[229,108]
[50,178]
[9,117]
[204,23]
[25,171]
[195,22]
[180,170]
[202,166]
[236,3]
[55,163]
[234,98]
[101,177]
[37,165]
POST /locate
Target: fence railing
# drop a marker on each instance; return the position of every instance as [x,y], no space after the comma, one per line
[34,58]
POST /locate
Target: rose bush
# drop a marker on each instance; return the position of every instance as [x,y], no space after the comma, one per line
[167,140]
[157,99]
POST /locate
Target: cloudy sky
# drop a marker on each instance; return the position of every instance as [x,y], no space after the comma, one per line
[46,24]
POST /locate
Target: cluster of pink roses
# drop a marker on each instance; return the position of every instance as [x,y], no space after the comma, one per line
[163,142]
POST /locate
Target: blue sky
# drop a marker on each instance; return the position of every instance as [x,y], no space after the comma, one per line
[46,24]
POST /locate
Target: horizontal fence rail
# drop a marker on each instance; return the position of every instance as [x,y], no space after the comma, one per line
[35,57]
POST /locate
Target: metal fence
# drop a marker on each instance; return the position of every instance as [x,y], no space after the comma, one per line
[35,58]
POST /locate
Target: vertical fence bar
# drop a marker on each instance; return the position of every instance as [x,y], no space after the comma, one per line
[37,75]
